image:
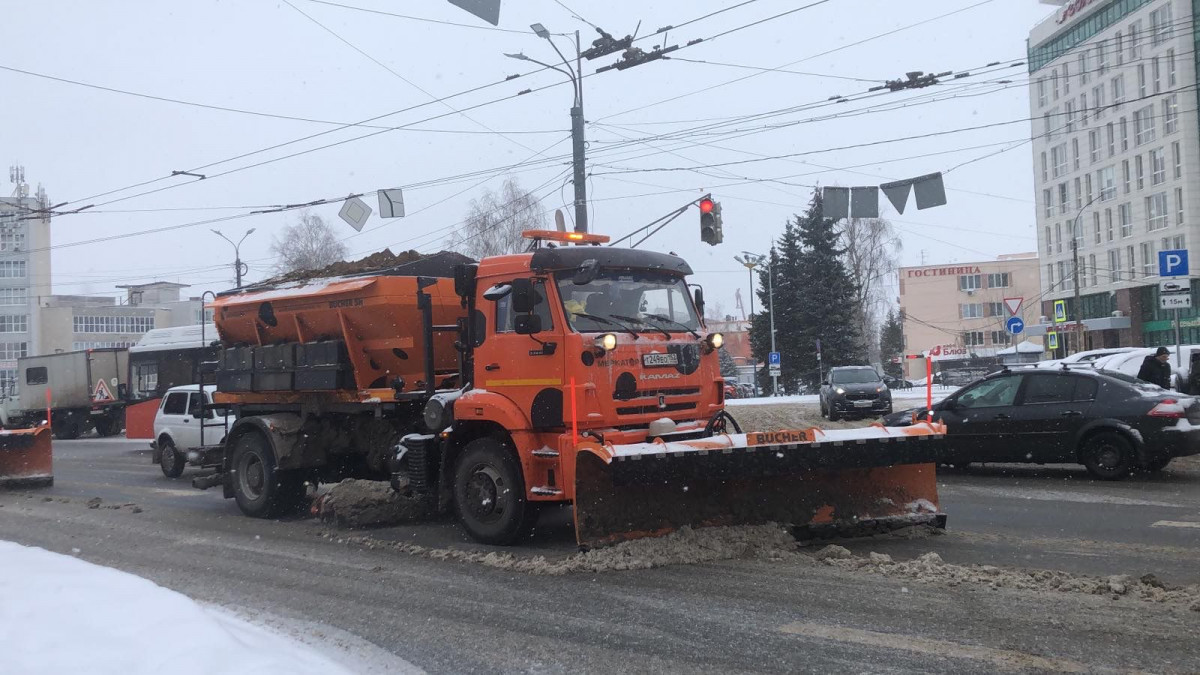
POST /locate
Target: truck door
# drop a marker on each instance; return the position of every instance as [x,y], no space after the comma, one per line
[526,368]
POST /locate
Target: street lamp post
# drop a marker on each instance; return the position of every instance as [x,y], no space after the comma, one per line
[577,134]
[1075,265]
[239,267]
[752,260]
[750,264]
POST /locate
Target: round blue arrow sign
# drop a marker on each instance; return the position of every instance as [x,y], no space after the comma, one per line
[1014,325]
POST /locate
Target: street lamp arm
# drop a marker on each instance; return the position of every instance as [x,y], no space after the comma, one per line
[522,57]
[567,63]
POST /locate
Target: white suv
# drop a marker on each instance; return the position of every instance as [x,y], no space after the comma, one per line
[177,430]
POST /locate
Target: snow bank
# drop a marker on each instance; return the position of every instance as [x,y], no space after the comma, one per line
[64,615]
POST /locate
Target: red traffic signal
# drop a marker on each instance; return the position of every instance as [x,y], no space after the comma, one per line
[706,205]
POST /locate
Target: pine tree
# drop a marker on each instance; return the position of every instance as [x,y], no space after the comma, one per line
[728,365]
[891,343]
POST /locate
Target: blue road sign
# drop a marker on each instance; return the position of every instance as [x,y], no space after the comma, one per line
[1173,263]
[773,359]
[1014,325]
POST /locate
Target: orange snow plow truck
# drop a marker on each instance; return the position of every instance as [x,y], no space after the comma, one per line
[571,374]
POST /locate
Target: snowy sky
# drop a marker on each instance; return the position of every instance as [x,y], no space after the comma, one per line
[265,56]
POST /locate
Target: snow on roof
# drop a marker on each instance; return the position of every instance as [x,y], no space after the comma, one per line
[179,337]
[1025,347]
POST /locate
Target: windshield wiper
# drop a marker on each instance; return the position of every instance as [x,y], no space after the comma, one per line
[664,319]
[606,320]
[640,321]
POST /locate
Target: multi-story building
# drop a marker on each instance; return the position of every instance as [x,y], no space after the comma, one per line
[1116,154]
[963,304]
[24,273]
[73,322]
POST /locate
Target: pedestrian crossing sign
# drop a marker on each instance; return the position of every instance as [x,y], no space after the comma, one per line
[1060,311]
[1052,340]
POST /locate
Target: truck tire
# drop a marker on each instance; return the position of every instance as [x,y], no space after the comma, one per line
[489,494]
[68,429]
[172,462]
[259,488]
[1108,456]
[109,426]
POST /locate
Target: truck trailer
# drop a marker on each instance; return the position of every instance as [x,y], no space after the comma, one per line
[574,373]
[82,390]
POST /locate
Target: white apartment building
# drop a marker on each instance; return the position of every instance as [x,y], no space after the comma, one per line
[24,274]
[1116,154]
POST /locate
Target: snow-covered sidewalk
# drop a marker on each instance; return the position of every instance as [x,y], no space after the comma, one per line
[59,614]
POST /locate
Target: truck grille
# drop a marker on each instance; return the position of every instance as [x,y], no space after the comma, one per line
[650,409]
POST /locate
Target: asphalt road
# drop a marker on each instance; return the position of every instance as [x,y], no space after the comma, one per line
[739,616]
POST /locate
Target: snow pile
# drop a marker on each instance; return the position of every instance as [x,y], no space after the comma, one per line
[684,546]
[368,503]
[64,615]
[929,568]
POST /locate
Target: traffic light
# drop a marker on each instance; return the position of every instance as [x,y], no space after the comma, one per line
[710,222]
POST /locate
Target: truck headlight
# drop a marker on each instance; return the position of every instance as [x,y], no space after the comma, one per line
[607,342]
[439,413]
[715,340]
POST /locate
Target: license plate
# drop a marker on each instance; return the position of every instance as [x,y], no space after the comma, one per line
[862,404]
[658,360]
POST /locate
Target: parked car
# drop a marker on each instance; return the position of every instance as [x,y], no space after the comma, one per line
[1109,422]
[894,382]
[746,390]
[1085,358]
[177,430]
[854,391]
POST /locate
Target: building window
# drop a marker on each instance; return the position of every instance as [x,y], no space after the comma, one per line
[1125,214]
[1078,193]
[1158,167]
[1066,76]
[14,296]
[1041,88]
[1050,276]
[1098,101]
[1171,75]
[12,269]
[1046,125]
[1096,225]
[1114,265]
[1149,262]
[113,324]
[1070,113]
[1170,108]
[1135,40]
[1001,337]
[1094,144]
[12,240]
[1084,76]
[1075,153]
[1064,199]
[202,316]
[1118,90]
[999,280]
[1131,266]
[14,323]
[1141,172]
[1141,74]
[1112,139]
[1068,282]
[1160,24]
[13,350]
[1083,109]
[1087,184]
[1092,264]
[1049,242]
[1156,74]
[973,338]
[1143,125]
[1176,160]
[1124,135]
[1048,201]
[993,309]
[1107,179]
[1054,84]
[1125,179]
[101,344]
[1156,211]
[1178,206]
[1102,55]
[1058,160]
[1058,237]
[970,311]
[970,282]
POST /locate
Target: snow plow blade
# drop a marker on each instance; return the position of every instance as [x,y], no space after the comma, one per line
[846,482]
[25,459]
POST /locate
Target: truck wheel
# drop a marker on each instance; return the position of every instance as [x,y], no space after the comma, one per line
[1108,456]
[68,430]
[109,426]
[172,461]
[261,490]
[489,494]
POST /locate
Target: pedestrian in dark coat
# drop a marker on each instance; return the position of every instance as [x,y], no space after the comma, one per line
[1156,370]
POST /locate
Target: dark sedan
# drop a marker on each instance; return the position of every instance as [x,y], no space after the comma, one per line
[1109,422]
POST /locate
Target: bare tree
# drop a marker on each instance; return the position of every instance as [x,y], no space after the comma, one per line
[495,221]
[308,244]
[872,252]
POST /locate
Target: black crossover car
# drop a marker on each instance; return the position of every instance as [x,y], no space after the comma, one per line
[854,391]
[1109,422]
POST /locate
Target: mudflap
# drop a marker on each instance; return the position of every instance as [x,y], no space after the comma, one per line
[837,483]
[25,458]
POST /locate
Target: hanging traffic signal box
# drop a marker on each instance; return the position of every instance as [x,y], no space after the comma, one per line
[710,222]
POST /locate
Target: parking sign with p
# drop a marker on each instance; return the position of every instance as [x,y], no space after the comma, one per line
[1173,263]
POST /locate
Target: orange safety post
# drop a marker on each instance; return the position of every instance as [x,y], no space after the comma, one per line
[929,386]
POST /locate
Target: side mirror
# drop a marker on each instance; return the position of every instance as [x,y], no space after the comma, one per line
[497,292]
[947,404]
[587,272]
[527,324]
[698,296]
[524,296]
[464,279]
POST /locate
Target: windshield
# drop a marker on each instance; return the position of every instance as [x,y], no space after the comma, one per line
[856,376]
[641,300]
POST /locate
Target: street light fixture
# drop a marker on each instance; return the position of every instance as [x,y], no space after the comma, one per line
[238,266]
[751,261]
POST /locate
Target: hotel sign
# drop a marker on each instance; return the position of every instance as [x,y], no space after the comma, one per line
[1073,8]
[943,271]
